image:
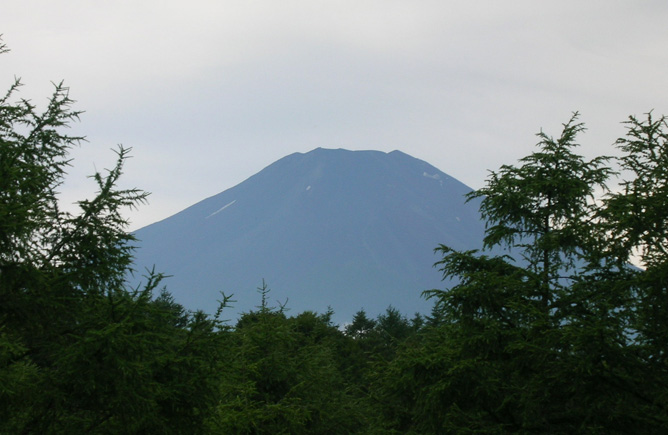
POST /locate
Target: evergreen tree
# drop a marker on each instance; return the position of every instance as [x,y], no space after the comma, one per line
[284,375]
[360,326]
[635,219]
[80,352]
[560,335]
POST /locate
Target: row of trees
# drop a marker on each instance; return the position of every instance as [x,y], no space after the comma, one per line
[560,335]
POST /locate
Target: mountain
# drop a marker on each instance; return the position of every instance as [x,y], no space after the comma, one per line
[328,228]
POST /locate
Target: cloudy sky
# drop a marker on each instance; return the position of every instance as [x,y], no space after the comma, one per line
[207,93]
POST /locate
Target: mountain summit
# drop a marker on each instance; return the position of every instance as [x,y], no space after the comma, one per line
[328,228]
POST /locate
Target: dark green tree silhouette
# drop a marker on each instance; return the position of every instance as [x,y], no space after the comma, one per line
[80,352]
[561,334]
[284,375]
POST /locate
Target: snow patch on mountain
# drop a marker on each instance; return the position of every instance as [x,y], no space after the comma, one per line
[221,209]
[436,177]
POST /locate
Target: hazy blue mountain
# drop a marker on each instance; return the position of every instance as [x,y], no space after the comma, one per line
[338,228]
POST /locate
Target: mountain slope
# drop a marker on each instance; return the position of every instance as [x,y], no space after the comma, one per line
[338,228]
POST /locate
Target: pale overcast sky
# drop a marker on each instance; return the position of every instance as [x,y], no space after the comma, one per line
[207,93]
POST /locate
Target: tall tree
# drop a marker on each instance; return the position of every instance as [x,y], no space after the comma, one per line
[543,209]
[636,219]
[554,336]
[80,352]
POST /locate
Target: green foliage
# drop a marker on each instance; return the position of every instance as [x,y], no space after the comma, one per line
[638,215]
[80,353]
[562,335]
[283,376]
[361,326]
[544,207]
[637,223]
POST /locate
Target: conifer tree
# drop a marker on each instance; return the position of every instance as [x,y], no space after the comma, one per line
[80,352]
[283,375]
[559,334]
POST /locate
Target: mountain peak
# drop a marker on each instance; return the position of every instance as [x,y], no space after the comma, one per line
[327,228]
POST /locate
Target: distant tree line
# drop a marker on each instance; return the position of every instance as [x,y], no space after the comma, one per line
[561,335]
